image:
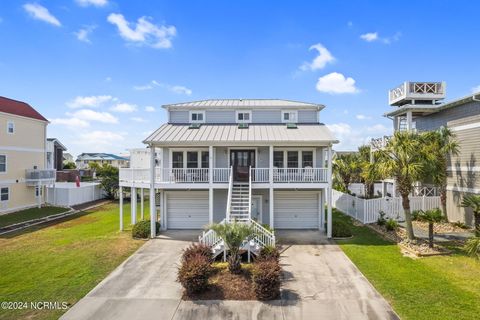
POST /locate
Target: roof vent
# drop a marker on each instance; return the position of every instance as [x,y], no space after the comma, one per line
[194,125]
[291,126]
[243,126]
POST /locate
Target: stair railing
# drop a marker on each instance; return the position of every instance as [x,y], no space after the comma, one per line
[262,235]
[250,193]
[210,238]
[229,197]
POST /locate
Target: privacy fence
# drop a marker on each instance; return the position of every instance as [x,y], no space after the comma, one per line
[367,210]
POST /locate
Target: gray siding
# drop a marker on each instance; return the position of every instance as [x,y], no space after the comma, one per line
[179,117]
[221,157]
[454,209]
[220,116]
[263,157]
[266,116]
[436,120]
[307,116]
[219,204]
[265,204]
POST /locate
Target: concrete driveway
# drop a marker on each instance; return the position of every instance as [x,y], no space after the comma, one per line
[319,282]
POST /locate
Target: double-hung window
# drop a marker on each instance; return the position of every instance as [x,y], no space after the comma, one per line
[3,163]
[292,159]
[4,194]
[205,159]
[192,159]
[10,127]
[307,159]
[197,116]
[244,116]
[177,159]
[289,116]
[278,159]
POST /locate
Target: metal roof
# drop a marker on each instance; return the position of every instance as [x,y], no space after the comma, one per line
[99,156]
[231,134]
[244,103]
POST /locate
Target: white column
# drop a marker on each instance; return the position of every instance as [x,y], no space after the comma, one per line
[210,182]
[164,210]
[322,207]
[210,164]
[270,166]
[409,120]
[142,215]
[210,205]
[329,193]
[153,213]
[271,208]
[133,205]
[120,196]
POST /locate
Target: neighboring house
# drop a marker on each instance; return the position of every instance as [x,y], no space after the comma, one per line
[23,163]
[418,106]
[101,158]
[140,158]
[67,158]
[238,159]
[55,151]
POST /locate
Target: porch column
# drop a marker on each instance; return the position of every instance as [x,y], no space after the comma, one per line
[210,205]
[409,120]
[153,213]
[133,205]
[120,196]
[270,166]
[270,199]
[329,193]
[210,183]
[322,206]
[142,215]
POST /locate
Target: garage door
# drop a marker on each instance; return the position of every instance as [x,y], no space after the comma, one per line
[187,209]
[296,210]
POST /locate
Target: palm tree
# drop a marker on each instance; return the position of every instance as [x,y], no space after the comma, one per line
[233,235]
[346,169]
[431,216]
[405,160]
[440,144]
[473,201]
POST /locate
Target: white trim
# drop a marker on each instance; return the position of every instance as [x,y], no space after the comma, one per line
[8,193]
[10,122]
[259,196]
[463,169]
[40,192]
[6,163]
[463,189]
[300,155]
[290,120]
[243,148]
[8,148]
[237,112]
[199,112]
[465,126]
[185,150]
[22,117]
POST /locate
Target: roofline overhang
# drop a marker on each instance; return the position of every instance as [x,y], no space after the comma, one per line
[178,106]
[323,143]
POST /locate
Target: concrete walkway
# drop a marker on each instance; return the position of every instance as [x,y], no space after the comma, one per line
[319,282]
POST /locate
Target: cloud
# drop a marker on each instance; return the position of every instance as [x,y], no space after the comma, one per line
[180,90]
[90,101]
[83,33]
[336,83]
[476,89]
[149,109]
[90,115]
[379,129]
[362,117]
[73,123]
[350,24]
[373,36]
[124,108]
[108,79]
[143,32]
[99,139]
[352,137]
[95,3]
[39,12]
[143,87]
[323,58]
[369,37]
[138,119]
[175,89]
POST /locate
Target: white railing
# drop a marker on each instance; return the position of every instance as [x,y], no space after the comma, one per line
[221,174]
[135,175]
[229,196]
[180,175]
[379,143]
[289,175]
[210,238]
[260,174]
[417,90]
[249,193]
[262,235]
[367,210]
[40,176]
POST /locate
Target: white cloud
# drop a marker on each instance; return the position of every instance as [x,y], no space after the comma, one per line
[379,129]
[150,109]
[323,58]
[73,123]
[96,3]
[89,101]
[352,137]
[336,83]
[350,24]
[90,115]
[175,89]
[83,33]
[476,89]
[143,87]
[362,117]
[143,32]
[369,37]
[39,12]
[108,79]
[180,90]
[99,139]
[124,108]
[138,119]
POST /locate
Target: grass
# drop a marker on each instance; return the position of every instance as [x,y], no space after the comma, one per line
[440,287]
[29,214]
[63,261]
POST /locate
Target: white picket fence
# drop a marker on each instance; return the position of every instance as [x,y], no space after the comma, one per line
[367,210]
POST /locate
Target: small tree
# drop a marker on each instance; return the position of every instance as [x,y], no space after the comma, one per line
[431,216]
[473,201]
[346,169]
[108,179]
[233,235]
[69,166]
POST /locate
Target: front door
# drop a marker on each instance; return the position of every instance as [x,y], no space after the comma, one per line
[241,161]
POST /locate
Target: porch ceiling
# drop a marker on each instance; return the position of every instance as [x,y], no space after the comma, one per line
[230,134]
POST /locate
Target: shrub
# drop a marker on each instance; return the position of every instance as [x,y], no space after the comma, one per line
[269,253]
[266,279]
[472,247]
[381,218]
[267,226]
[193,273]
[197,249]
[141,229]
[391,225]
[341,229]
[416,214]
[460,224]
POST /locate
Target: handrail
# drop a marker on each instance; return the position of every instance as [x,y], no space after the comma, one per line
[250,193]
[229,197]
[262,235]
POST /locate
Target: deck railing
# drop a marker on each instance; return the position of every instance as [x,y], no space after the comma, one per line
[40,176]
[289,175]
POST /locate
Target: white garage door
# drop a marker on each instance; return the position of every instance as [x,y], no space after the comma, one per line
[296,210]
[187,209]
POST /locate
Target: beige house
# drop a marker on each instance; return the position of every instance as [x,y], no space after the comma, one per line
[22,156]
[84,159]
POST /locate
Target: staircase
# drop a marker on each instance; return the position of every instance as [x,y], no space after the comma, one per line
[240,203]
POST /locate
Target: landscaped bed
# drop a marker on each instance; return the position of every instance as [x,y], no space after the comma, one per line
[29,214]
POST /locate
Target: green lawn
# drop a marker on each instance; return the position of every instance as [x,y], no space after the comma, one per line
[64,261]
[29,214]
[442,287]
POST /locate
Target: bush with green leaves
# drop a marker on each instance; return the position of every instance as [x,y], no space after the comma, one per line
[266,279]
[415,214]
[269,253]
[194,272]
[391,225]
[472,246]
[381,218]
[460,224]
[197,249]
[341,229]
[141,229]
[431,216]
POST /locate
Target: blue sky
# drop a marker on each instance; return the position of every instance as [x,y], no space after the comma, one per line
[101,69]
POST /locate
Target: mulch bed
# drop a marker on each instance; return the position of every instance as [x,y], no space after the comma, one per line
[441,227]
[226,286]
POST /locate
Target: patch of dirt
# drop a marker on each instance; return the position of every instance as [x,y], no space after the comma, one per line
[442,227]
[226,286]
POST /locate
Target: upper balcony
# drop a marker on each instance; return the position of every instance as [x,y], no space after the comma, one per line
[35,177]
[408,92]
[189,176]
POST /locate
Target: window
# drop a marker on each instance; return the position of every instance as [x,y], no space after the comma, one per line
[289,116]
[205,159]
[278,159]
[4,194]
[307,159]
[10,127]
[192,159]
[197,116]
[292,159]
[3,163]
[244,116]
[177,159]
[38,192]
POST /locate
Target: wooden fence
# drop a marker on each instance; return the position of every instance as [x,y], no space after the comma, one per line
[367,210]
